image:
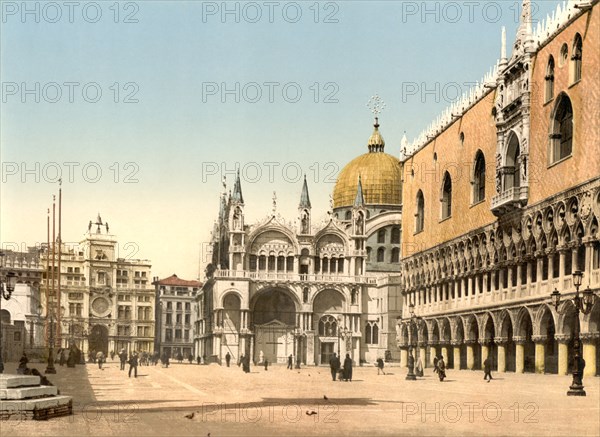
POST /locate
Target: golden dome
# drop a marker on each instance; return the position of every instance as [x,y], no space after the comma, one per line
[380,173]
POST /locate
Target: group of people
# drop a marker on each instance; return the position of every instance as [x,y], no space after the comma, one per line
[439,366]
[343,373]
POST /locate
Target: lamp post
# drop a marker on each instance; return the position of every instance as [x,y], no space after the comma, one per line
[583,304]
[7,286]
[342,332]
[414,319]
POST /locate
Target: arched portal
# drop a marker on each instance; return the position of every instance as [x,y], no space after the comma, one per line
[230,341]
[490,342]
[273,321]
[328,307]
[98,340]
[548,332]
[506,332]
[525,332]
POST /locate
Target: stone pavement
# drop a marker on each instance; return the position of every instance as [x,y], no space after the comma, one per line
[225,401]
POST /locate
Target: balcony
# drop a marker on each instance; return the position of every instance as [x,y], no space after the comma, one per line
[293,277]
[509,200]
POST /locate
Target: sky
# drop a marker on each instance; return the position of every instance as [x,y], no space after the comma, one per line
[142,107]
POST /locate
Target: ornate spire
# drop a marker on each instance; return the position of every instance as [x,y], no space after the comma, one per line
[503,50]
[524,37]
[376,142]
[237,190]
[304,198]
[360,199]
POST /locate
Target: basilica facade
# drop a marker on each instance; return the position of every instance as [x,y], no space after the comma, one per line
[501,206]
[277,288]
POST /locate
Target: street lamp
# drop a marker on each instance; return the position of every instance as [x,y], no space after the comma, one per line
[414,319]
[7,286]
[583,304]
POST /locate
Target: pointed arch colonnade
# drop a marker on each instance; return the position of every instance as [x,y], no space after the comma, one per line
[532,338]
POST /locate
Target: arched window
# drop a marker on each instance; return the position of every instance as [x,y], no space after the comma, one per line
[341,264]
[562,129]
[348,215]
[513,174]
[328,326]
[371,333]
[380,255]
[420,215]
[305,295]
[479,178]
[550,79]
[262,262]
[381,236]
[447,196]
[395,258]
[395,235]
[368,254]
[576,58]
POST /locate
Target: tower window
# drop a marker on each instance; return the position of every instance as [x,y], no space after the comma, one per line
[380,255]
[395,258]
[550,79]
[447,197]
[479,178]
[381,236]
[576,58]
[396,235]
[420,215]
[562,129]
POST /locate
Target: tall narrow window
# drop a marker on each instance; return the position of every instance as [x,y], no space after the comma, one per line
[479,178]
[381,236]
[395,235]
[550,79]
[395,255]
[562,129]
[576,58]
[380,255]
[420,215]
[513,158]
[447,197]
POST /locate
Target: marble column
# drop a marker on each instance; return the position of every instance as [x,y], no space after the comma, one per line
[423,354]
[563,354]
[404,356]
[589,353]
[470,355]
[456,352]
[540,353]
[444,353]
[519,354]
[501,343]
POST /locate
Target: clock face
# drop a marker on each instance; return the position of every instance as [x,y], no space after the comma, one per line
[100,306]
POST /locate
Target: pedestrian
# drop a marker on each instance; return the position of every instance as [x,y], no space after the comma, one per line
[441,368]
[380,366]
[112,355]
[100,359]
[290,362]
[198,359]
[435,364]
[348,368]
[419,367]
[246,364]
[63,358]
[228,358]
[266,364]
[240,361]
[22,364]
[487,369]
[123,358]
[334,365]
[133,364]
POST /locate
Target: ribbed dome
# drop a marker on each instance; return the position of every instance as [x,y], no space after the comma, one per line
[381,176]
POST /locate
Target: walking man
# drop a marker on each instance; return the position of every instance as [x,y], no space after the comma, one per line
[133,363]
[441,368]
[228,358]
[348,368]
[334,365]
[100,359]
[487,369]
[290,362]
[380,366]
[123,358]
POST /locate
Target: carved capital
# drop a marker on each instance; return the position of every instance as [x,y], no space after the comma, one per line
[520,340]
[539,338]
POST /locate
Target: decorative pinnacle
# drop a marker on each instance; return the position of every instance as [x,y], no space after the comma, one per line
[376,105]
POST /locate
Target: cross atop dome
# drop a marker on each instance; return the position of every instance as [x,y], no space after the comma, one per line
[376,142]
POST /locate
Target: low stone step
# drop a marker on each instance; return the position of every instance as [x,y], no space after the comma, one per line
[28,392]
[36,409]
[14,381]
